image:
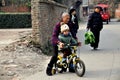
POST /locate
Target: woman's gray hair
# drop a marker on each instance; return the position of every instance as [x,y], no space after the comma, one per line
[64,14]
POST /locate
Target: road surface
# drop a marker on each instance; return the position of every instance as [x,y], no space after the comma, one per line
[103,64]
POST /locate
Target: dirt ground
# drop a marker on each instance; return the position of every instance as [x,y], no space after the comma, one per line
[17,58]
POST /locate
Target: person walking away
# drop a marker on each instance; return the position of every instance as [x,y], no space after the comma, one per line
[95,24]
[73,23]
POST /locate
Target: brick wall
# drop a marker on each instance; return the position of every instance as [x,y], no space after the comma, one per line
[13,8]
[45,15]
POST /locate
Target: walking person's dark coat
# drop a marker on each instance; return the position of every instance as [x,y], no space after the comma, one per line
[95,24]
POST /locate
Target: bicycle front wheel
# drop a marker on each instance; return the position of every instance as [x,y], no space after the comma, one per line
[80,68]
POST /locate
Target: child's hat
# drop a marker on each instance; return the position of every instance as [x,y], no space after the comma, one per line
[64,27]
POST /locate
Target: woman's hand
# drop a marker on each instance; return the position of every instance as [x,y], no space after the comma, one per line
[87,29]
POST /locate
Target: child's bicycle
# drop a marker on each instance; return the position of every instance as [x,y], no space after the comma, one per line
[74,59]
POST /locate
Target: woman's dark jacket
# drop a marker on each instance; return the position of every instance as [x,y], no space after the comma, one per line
[95,22]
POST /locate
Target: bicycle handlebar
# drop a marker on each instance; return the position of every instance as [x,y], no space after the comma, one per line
[70,45]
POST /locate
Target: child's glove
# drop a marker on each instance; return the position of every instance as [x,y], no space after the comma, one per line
[61,45]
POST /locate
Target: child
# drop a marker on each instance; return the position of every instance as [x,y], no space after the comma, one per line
[66,38]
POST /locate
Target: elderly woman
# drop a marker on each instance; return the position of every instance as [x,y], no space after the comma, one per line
[55,41]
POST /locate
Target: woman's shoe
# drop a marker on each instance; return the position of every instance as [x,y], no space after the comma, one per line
[49,71]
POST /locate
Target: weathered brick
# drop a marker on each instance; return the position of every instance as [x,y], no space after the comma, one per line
[45,15]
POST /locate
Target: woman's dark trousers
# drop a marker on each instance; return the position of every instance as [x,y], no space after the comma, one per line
[97,35]
[54,57]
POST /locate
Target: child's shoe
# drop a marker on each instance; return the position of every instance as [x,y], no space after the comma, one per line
[71,67]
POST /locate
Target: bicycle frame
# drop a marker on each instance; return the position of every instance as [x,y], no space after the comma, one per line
[77,63]
[73,56]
